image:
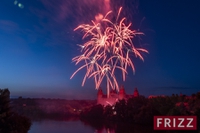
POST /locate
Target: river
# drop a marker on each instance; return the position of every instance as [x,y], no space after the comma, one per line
[76,126]
[50,126]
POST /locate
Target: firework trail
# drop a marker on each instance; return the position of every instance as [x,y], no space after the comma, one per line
[109,49]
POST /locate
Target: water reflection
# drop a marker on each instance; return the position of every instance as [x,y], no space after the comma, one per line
[51,126]
[109,127]
[76,126]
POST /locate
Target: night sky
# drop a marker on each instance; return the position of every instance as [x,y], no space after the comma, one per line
[37,43]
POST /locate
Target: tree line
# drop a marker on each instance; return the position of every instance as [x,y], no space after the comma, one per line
[10,121]
[141,110]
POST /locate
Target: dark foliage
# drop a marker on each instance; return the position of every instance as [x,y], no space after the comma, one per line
[11,122]
[141,110]
[95,112]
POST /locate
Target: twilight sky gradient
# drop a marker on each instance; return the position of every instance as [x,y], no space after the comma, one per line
[37,43]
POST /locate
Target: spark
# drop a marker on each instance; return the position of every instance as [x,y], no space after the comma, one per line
[109,48]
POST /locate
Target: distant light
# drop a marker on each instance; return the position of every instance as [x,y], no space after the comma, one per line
[20,5]
[114,113]
[15,2]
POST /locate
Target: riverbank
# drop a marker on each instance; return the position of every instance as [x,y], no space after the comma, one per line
[134,111]
[141,110]
[40,108]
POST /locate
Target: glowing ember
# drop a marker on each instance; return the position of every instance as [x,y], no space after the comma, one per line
[109,48]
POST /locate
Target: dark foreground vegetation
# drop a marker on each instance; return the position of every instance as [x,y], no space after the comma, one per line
[126,116]
[140,110]
[10,121]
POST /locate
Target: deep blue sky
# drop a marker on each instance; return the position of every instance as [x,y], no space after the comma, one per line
[37,43]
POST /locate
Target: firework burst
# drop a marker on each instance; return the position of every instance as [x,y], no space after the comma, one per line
[109,48]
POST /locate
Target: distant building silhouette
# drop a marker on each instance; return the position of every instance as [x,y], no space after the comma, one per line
[136,93]
[114,96]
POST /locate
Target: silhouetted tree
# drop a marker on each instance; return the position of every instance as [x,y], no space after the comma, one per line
[120,108]
[109,112]
[11,122]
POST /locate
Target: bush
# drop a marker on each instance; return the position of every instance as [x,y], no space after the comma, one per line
[11,122]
